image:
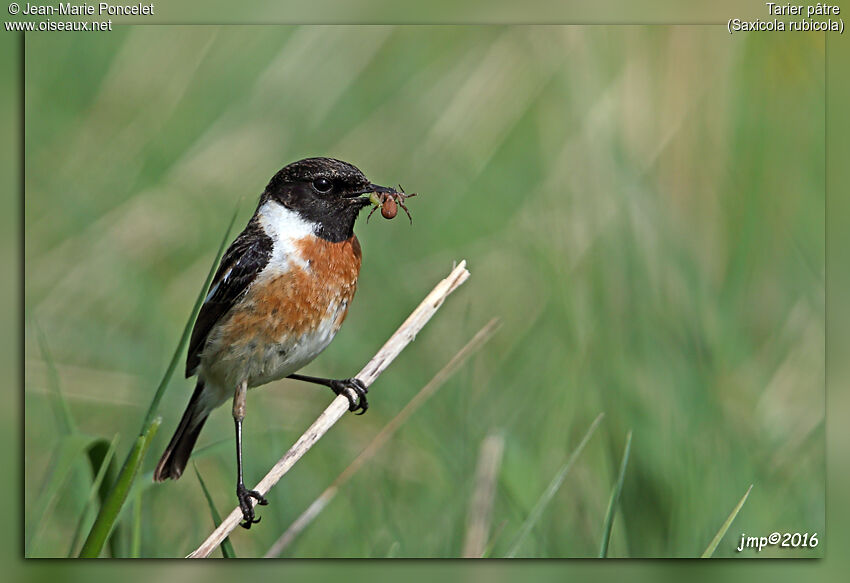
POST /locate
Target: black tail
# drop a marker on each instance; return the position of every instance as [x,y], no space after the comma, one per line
[173,461]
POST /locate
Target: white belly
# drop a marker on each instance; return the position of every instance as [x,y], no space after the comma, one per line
[225,365]
[283,358]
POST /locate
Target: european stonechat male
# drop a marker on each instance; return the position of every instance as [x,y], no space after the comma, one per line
[278,298]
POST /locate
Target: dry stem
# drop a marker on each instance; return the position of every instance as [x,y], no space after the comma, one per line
[338,407]
[481,506]
[312,511]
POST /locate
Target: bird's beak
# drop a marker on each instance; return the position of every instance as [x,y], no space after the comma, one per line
[381,189]
[370,190]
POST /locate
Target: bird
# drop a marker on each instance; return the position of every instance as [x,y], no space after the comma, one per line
[277,299]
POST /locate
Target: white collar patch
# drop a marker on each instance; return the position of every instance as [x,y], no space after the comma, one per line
[285,227]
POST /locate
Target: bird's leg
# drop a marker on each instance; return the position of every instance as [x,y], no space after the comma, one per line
[343,387]
[242,493]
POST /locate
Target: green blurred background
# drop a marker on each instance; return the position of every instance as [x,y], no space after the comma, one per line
[643,207]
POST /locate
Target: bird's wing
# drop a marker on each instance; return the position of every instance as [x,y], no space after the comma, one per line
[241,264]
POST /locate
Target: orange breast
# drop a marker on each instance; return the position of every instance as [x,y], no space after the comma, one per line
[299,301]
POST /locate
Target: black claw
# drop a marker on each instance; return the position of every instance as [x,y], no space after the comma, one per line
[356,385]
[244,495]
[247,523]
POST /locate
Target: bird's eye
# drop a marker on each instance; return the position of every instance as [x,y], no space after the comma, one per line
[322,184]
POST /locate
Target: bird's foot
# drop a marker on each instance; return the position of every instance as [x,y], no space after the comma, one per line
[346,387]
[245,496]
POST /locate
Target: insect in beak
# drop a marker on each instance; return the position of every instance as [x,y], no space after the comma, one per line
[389,200]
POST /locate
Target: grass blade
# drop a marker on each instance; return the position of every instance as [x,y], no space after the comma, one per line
[712,546]
[96,455]
[494,539]
[111,507]
[554,486]
[615,499]
[108,514]
[64,419]
[187,329]
[226,547]
[425,393]
[136,532]
[67,454]
[71,444]
[100,466]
